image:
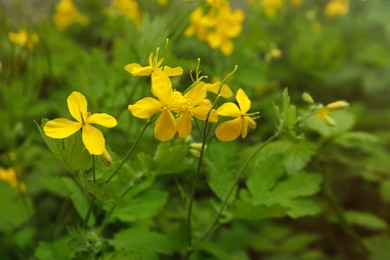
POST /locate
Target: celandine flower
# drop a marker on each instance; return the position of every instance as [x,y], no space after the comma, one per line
[271,6]
[232,129]
[324,112]
[216,88]
[23,38]
[67,14]
[168,101]
[129,8]
[337,8]
[197,106]
[93,139]
[137,70]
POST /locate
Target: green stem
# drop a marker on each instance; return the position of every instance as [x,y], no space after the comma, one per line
[339,212]
[85,223]
[214,223]
[93,168]
[150,121]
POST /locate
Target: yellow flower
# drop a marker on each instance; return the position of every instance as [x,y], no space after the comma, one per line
[271,6]
[92,138]
[162,2]
[200,24]
[9,175]
[137,70]
[23,38]
[324,112]
[337,8]
[214,87]
[168,101]
[197,106]
[296,3]
[227,26]
[128,8]
[67,14]
[232,129]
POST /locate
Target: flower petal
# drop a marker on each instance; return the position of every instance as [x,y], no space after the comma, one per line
[177,71]
[225,90]
[102,119]
[197,93]
[244,130]
[77,105]
[61,128]
[137,70]
[184,125]
[93,140]
[165,127]
[201,112]
[243,101]
[229,109]
[145,107]
[229,130]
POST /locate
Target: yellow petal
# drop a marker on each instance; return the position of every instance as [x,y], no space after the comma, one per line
[77,105]
[102,119]
[137,70]
[165,127]
[229,130]
[197,94]
[201,112]
[224,92]
[227,47]
[184,125]
[61,128]
[93,140]
[145,107]
[177,71]
[229,109]
[243,101]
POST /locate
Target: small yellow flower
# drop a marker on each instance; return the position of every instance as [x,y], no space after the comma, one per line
[297,3]
[337,8]
[67,14]
[271,6]
[9,175]
[137,70]
[92,138]
[324,113]
[197,107]
[129,8]
[230,130]
[215,88]
[23,38]
[162,2]
[168,101]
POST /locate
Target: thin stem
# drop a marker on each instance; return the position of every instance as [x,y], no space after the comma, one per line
[194,186]
[85,223]
[130,150]
[234,183]
[93,168]
[339,212]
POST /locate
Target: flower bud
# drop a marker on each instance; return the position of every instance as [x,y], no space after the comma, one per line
[306,97]
[106,158]
[337,105]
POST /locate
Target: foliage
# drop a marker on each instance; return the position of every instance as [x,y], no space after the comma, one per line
[256,129]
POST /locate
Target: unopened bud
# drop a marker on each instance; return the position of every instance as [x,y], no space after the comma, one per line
[106,158]
[195,152]
[306,97]
[196,146]
[330,121]
[338,105]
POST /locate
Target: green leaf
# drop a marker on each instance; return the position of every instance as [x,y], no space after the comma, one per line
[361,140]
[378,246]
[344,122]
[70,151]
[298,155]
[267,185]
[142,240]
[171,157]
[385,191]
[243,210]
[79,200]
[55,250]
[14,212]
[88,242]
[366,220]
[144,206]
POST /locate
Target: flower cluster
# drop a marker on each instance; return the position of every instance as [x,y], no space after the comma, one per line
[218,26]
[177,110]
[271,6]
[24,38]
[67,14]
